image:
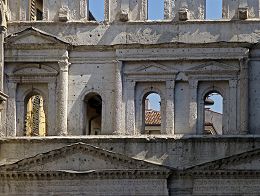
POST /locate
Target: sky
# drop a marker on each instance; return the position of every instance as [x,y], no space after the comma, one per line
[155,12]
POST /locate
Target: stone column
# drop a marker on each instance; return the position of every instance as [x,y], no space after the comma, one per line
[232,127]
[244,101]
[130,108]
[11,110]
[106,7]
[118,98]
[62,95]
[193,116]
[144,10]
[168,9]
[170,85]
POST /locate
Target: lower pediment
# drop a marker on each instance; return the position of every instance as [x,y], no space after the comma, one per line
[81,157]
[246,161]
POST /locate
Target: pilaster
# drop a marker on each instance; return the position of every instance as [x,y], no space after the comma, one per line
[130,108]
[232,107]
[193,115]
[11,110]
[170,86]
[52,104]
[244,101]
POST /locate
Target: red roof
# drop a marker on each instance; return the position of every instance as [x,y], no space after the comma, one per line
[152,118]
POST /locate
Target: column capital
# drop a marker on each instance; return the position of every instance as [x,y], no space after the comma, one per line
[131,83]
[64,64]
[193,83]
[170,84]
[233,83]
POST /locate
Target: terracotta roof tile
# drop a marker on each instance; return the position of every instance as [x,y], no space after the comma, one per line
[152,118]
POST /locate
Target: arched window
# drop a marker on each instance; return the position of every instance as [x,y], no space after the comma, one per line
[213,9]
[152,113]
[96,10]
[93,102]
[36,10]
[155,10]
[213,113]
[35,119]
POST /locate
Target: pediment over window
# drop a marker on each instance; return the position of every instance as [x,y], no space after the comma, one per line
[33,36]
[249,160]
[213,67]
[81,157]
[34,70]
[151,68]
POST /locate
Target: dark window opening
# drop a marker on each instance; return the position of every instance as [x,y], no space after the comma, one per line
[93,114]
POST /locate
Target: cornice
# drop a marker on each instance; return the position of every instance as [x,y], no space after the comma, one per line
[94,174]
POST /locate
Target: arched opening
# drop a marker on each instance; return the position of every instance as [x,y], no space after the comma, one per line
[96,10]
[36,10]
[152,113]
[213,113]
[93,108]
[35,118]
[213,9]
[155,9]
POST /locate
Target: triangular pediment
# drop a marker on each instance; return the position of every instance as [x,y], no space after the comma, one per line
[249,160]
[151,68]
[213,67]
[33,36]
[80,157]
[34,69]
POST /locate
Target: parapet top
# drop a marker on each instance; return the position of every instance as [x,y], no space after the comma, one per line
[127,10]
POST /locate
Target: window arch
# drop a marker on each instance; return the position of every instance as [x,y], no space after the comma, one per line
[213,113]
[213,9]
[155,9]
[151,111]
[35,118]
[93,114]
[36,10]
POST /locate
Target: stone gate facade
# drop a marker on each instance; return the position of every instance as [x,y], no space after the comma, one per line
[91,79]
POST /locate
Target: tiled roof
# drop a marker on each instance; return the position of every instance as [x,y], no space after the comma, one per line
[152,118]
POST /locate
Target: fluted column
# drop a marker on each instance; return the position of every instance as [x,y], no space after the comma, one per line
[118,98]
[62,94]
